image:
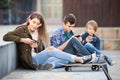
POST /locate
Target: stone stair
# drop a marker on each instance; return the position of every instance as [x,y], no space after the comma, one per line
[110,37]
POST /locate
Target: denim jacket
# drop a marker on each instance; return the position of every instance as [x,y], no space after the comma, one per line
[58,37]
[95,42]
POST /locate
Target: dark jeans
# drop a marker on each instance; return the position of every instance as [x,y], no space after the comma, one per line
[73,47]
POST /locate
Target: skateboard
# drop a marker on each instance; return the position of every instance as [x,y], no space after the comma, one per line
[94,67]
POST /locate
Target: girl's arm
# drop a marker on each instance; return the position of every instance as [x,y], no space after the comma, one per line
[13,35]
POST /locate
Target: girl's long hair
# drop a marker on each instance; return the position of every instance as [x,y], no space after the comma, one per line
[42,32]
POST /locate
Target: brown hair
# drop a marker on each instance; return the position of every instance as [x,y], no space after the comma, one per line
[42,32]
[93,23]
[69,18]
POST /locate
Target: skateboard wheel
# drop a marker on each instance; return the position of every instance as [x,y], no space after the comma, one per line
[68,69]
[95,68]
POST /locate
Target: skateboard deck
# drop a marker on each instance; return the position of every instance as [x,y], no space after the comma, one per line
[78,64]
[94,67]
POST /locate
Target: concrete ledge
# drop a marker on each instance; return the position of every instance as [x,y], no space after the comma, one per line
[109,33]
[104,33]
[112,44]
[110,37]
[7,58]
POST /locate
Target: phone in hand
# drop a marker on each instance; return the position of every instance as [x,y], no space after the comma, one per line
[77,35]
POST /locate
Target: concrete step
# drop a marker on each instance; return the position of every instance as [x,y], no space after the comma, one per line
[110,37]
[111,44]
[104,33]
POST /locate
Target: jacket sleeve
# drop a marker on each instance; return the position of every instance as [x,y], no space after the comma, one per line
[13,35]
[97,43]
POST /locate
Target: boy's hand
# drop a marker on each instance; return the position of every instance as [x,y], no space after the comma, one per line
[89,39]
[79,37]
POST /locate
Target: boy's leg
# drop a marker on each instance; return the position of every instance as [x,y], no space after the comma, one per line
[74,47]
[70,48]
[92,49]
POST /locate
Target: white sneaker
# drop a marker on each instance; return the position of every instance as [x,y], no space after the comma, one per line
[94,56]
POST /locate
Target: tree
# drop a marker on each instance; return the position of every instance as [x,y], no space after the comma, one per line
[5,4]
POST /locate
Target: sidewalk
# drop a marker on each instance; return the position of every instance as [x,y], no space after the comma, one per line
[79,73]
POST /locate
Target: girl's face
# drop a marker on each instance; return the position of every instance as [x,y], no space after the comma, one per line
[34,24]
[90,30]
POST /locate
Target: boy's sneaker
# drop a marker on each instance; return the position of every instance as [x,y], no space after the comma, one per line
[101,59]
[86,59]
[89,58]
[110,62]
[98,59]
[47,66]
[94,56]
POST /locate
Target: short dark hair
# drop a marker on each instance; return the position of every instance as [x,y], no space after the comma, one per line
[69,18]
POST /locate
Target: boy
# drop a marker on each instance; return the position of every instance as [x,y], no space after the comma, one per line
[92,41]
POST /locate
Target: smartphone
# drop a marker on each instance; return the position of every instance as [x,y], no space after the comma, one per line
[77,35]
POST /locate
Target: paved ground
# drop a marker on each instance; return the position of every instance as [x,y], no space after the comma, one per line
[81,73]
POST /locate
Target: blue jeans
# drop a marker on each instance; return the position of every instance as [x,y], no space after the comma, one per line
[55,61]
[74,47]
[43,56]
[90,47]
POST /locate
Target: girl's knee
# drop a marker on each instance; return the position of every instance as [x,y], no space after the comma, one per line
[50,48]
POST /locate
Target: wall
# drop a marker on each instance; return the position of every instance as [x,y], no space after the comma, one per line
[110,37]
[7,58]
[105,12]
